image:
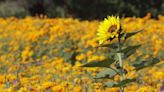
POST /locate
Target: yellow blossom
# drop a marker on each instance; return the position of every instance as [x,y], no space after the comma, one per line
[108,28]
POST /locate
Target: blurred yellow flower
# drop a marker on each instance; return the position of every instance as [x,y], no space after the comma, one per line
[46,85]
[57,89]
[108,29]
[77,89]
[30,58]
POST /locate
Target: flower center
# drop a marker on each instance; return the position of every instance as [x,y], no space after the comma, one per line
[112,28]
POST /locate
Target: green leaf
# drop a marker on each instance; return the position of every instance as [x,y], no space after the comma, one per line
[119,84]
[129,48]
[140,65]
[127,35]
[124,82]
[144,64]
[111,45]
[106,73]
[129,53]
[110,84]
[103,63]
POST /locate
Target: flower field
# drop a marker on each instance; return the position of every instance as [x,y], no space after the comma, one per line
[45,55]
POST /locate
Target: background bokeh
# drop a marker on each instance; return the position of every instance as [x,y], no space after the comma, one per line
[43,43]
[82,9]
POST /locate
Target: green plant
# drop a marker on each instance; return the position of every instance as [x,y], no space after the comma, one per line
[109,30]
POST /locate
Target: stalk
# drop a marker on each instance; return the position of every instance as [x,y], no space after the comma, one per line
[121,64]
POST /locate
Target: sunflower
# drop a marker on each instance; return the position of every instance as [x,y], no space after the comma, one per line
[108,29]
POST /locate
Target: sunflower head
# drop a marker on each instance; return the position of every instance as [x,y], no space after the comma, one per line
[108,29]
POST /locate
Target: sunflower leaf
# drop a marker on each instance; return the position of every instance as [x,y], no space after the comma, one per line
[103,63]
[124,82]
[128,35]
[111,45]
[144,64]
[129,48]
[129,53]
[106,73]
[110,84]
[119,84]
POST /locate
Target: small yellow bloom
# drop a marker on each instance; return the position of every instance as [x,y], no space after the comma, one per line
[78,89]
[57,88]
[108,29]
[47,85]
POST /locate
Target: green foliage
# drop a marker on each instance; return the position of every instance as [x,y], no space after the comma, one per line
[12,9]
[106,73]
[103,63]
[115,66]
[110,84]
[120,84]
[145,64]
[128,51]
[128,35]
[84,9]
[100,8]
[129,48]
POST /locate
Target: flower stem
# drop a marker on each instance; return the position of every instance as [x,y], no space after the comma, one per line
[121,64]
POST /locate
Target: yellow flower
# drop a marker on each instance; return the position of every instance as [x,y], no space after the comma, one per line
[47,85]
[78,89]
[108,29]
[57,88]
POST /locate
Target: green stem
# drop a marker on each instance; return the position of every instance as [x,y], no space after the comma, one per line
[121,65]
